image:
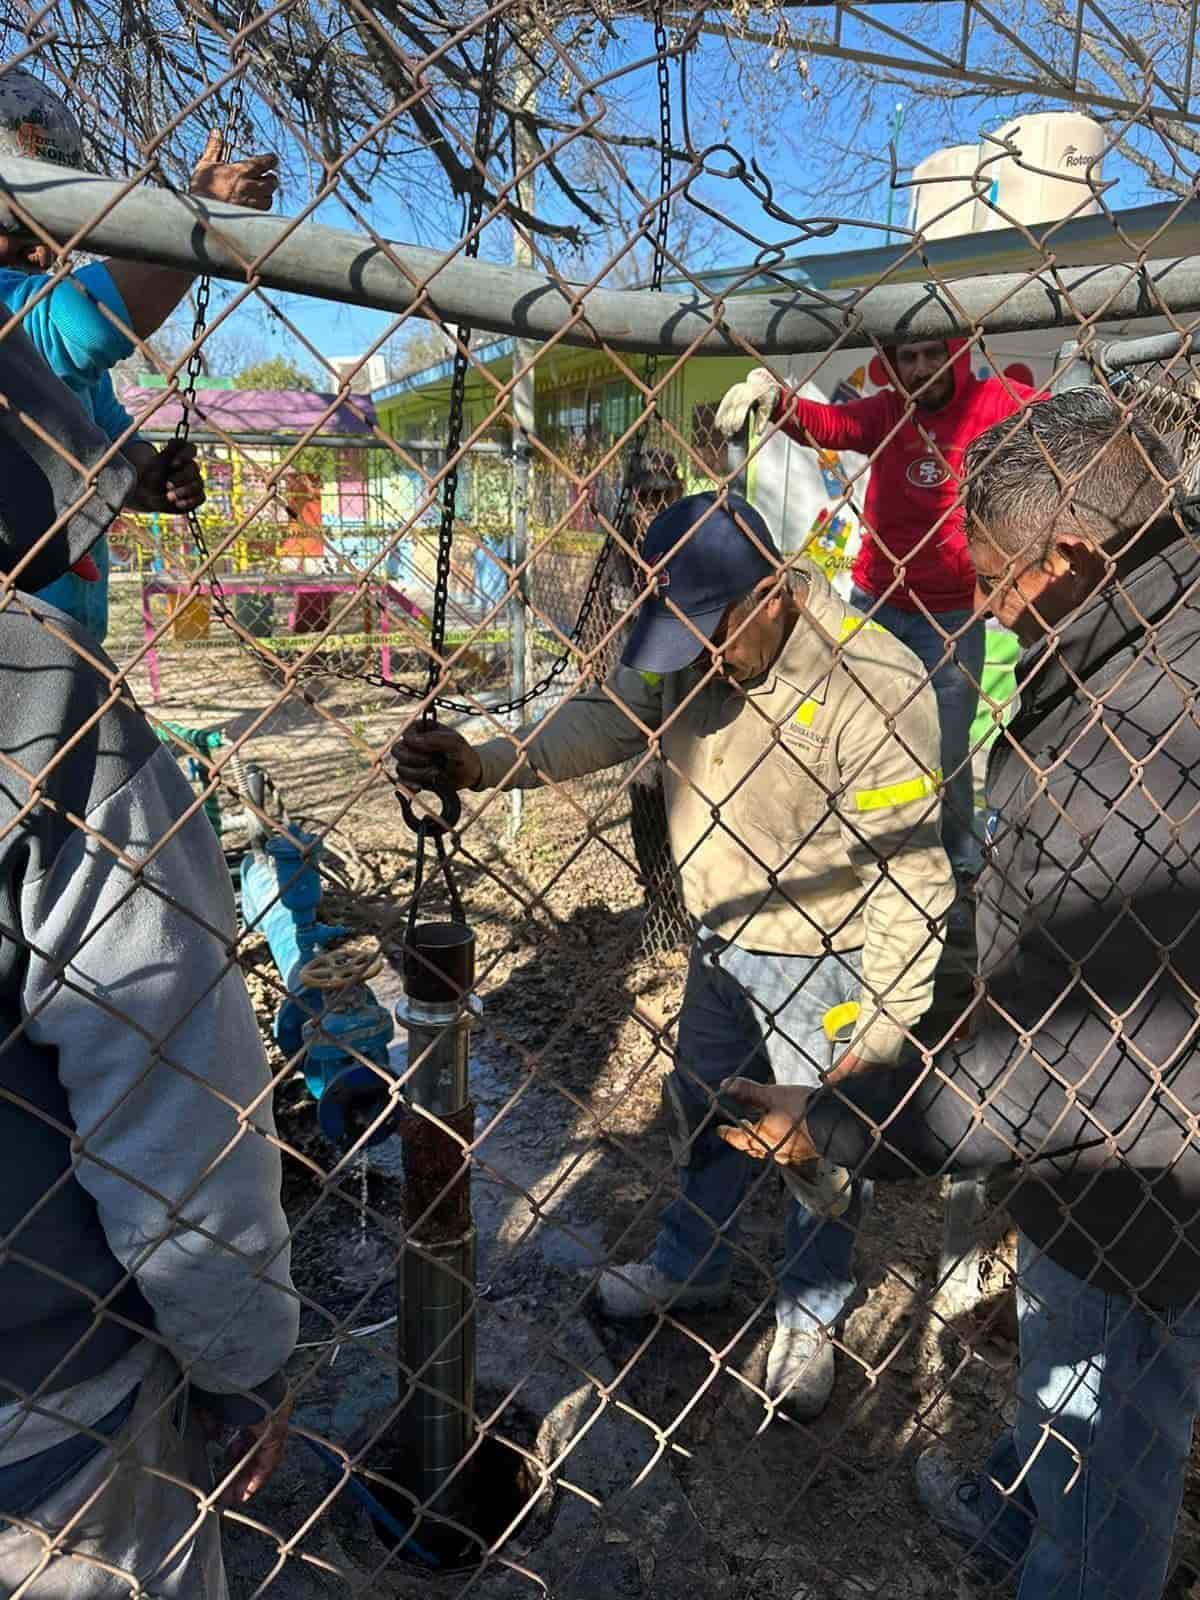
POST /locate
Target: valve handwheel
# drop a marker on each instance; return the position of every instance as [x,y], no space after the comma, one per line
[339,969]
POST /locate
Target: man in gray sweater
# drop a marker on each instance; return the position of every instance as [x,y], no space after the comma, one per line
[145,1296]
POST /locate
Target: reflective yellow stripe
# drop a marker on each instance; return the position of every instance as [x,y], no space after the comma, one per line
[859,625]
[839,1018]
[807,711]
[898,794]
[651,679]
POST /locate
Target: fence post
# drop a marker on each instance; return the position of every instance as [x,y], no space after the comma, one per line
[525,353]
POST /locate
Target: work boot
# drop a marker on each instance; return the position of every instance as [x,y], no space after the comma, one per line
[641,1290]
[800,1371]
[954,1499]
[950,1495]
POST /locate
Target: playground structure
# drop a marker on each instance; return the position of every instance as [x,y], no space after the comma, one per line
[322,509]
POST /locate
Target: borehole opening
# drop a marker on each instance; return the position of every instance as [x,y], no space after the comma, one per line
[500,1482]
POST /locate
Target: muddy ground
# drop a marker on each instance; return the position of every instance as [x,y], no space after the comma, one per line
[573,1172]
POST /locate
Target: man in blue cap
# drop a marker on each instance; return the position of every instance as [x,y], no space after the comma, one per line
[800,753]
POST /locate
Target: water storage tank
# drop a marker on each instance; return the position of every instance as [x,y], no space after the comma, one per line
[1064,147]
[953,195]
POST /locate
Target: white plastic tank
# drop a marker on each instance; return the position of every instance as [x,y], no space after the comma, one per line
[1059,163]
[943,201]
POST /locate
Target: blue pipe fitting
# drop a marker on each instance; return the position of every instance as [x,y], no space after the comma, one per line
[349,1095]
[281,889]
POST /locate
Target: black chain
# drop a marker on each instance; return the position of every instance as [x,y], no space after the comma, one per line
[183,428]
[620,519]
[620,516]
[422,830]
[659,258]
[664,171]
[488,76]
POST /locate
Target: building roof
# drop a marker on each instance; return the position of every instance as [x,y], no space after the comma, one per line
[483,354]
[281,412]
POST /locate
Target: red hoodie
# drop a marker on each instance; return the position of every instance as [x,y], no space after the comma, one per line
[913,545]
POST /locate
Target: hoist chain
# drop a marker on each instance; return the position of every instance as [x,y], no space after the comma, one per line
[664,170]
[658,262]
[620,516]
[489,72]
[183,427]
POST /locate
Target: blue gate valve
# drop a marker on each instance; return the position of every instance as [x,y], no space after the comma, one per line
[351,1023]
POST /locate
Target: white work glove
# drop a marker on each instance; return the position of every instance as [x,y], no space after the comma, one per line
[757,392]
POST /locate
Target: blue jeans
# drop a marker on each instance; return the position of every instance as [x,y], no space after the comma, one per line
[755,1014]
[1107,1394]
[954,671]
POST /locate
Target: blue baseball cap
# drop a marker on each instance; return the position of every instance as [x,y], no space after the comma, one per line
[714,563]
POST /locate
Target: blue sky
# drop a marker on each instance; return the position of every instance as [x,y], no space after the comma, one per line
[792,145]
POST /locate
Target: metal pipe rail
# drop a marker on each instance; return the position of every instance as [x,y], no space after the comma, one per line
[305,257]
[1121,353]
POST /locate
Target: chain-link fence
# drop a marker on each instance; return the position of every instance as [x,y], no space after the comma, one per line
[693,640]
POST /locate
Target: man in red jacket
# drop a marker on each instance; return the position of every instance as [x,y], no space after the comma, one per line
[913,572]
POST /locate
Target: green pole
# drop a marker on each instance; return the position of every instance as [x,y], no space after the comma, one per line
[897,124]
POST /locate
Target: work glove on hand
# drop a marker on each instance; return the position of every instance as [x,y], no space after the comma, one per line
[758,392]
[436,758]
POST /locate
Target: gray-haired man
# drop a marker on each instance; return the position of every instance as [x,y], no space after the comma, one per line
[1082,1079]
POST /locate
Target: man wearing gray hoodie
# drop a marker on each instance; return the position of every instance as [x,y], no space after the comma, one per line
[145,1296]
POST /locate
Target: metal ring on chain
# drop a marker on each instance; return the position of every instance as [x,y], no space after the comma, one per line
[451,812]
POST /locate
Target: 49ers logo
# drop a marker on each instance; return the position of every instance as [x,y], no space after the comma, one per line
[927,473]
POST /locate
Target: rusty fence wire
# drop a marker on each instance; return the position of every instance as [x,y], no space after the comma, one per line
[818,627]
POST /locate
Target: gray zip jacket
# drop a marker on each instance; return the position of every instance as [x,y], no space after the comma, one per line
[140,1202]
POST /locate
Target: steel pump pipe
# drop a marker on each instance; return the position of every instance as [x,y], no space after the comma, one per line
[305,257]
[435,1280]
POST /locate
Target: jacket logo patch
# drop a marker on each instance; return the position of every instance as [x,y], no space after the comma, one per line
[800,730]
[928,473]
